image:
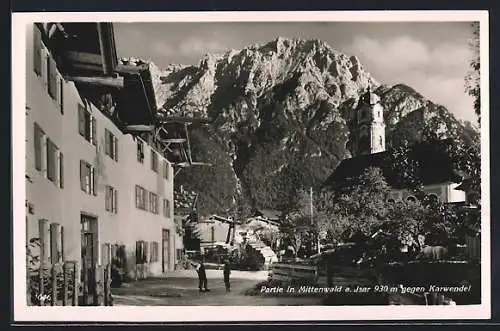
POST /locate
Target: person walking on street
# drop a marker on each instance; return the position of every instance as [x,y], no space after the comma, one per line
[227,272]
[202,277]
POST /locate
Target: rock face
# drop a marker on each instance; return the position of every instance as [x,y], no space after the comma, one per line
[281,115]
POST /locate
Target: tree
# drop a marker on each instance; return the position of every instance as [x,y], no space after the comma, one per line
[472,78]
[405,167]
[298,231]
[360,204]
[361,207]
[406,221]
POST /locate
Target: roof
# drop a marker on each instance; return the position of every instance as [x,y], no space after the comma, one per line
[467,185]
[81,48]
[86,54]
[269,214]
[434,166]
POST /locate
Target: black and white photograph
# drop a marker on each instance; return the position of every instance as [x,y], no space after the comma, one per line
[330,165]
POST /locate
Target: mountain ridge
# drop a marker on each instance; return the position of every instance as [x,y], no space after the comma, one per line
[281,117]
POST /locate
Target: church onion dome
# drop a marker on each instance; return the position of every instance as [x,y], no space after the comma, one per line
[370,97]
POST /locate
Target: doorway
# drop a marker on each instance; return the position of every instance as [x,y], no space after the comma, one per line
[89,254]
[165,249]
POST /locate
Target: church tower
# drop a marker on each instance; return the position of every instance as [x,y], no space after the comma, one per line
[370,127]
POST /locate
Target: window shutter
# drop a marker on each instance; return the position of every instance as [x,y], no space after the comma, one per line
[54,78]
[113,252]
[106,198]
[61,95]
[151,249]
[115,202]
[104,254]
[107,148]
[157,250]
[153,160]
[50,77]
[116,148]
[47,70]
[146,252]
[51,160]
[94,181]
[61,170]
[38,147]
[81,120]
[138,252]
[94,129]
[83,171]
[37,54]
[136,196]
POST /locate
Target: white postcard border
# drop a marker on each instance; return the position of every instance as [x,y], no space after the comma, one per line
[22,312]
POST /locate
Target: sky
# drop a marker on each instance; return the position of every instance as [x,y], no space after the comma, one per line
[431,57]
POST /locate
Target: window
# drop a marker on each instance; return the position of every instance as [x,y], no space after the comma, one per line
[111,144]
[86,125]
[87,178]
[52,77]
[154,251]
[153,203]
[166,207]
[37,54]
[165,169]
[140,151]
[141,252]
[140,197]
[111,199]
[39,136]
[51,161]
[154,161]
[380,141]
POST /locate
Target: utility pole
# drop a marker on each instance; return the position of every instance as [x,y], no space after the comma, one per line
[312,220]
[311,204]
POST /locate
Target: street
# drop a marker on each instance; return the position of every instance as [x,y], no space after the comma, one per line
[181,289]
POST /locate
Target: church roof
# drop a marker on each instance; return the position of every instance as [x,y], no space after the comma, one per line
[434,166]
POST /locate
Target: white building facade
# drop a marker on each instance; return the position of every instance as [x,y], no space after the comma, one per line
[91,189]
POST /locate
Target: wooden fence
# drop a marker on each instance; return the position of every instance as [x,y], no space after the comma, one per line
[473,247]
[54,281]
[53,285]
[289,273]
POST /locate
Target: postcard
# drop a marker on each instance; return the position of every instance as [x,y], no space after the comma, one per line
[251,166]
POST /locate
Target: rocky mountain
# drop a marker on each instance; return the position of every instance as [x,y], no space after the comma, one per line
[280,118]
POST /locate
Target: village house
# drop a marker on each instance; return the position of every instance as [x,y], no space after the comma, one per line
[94,191]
